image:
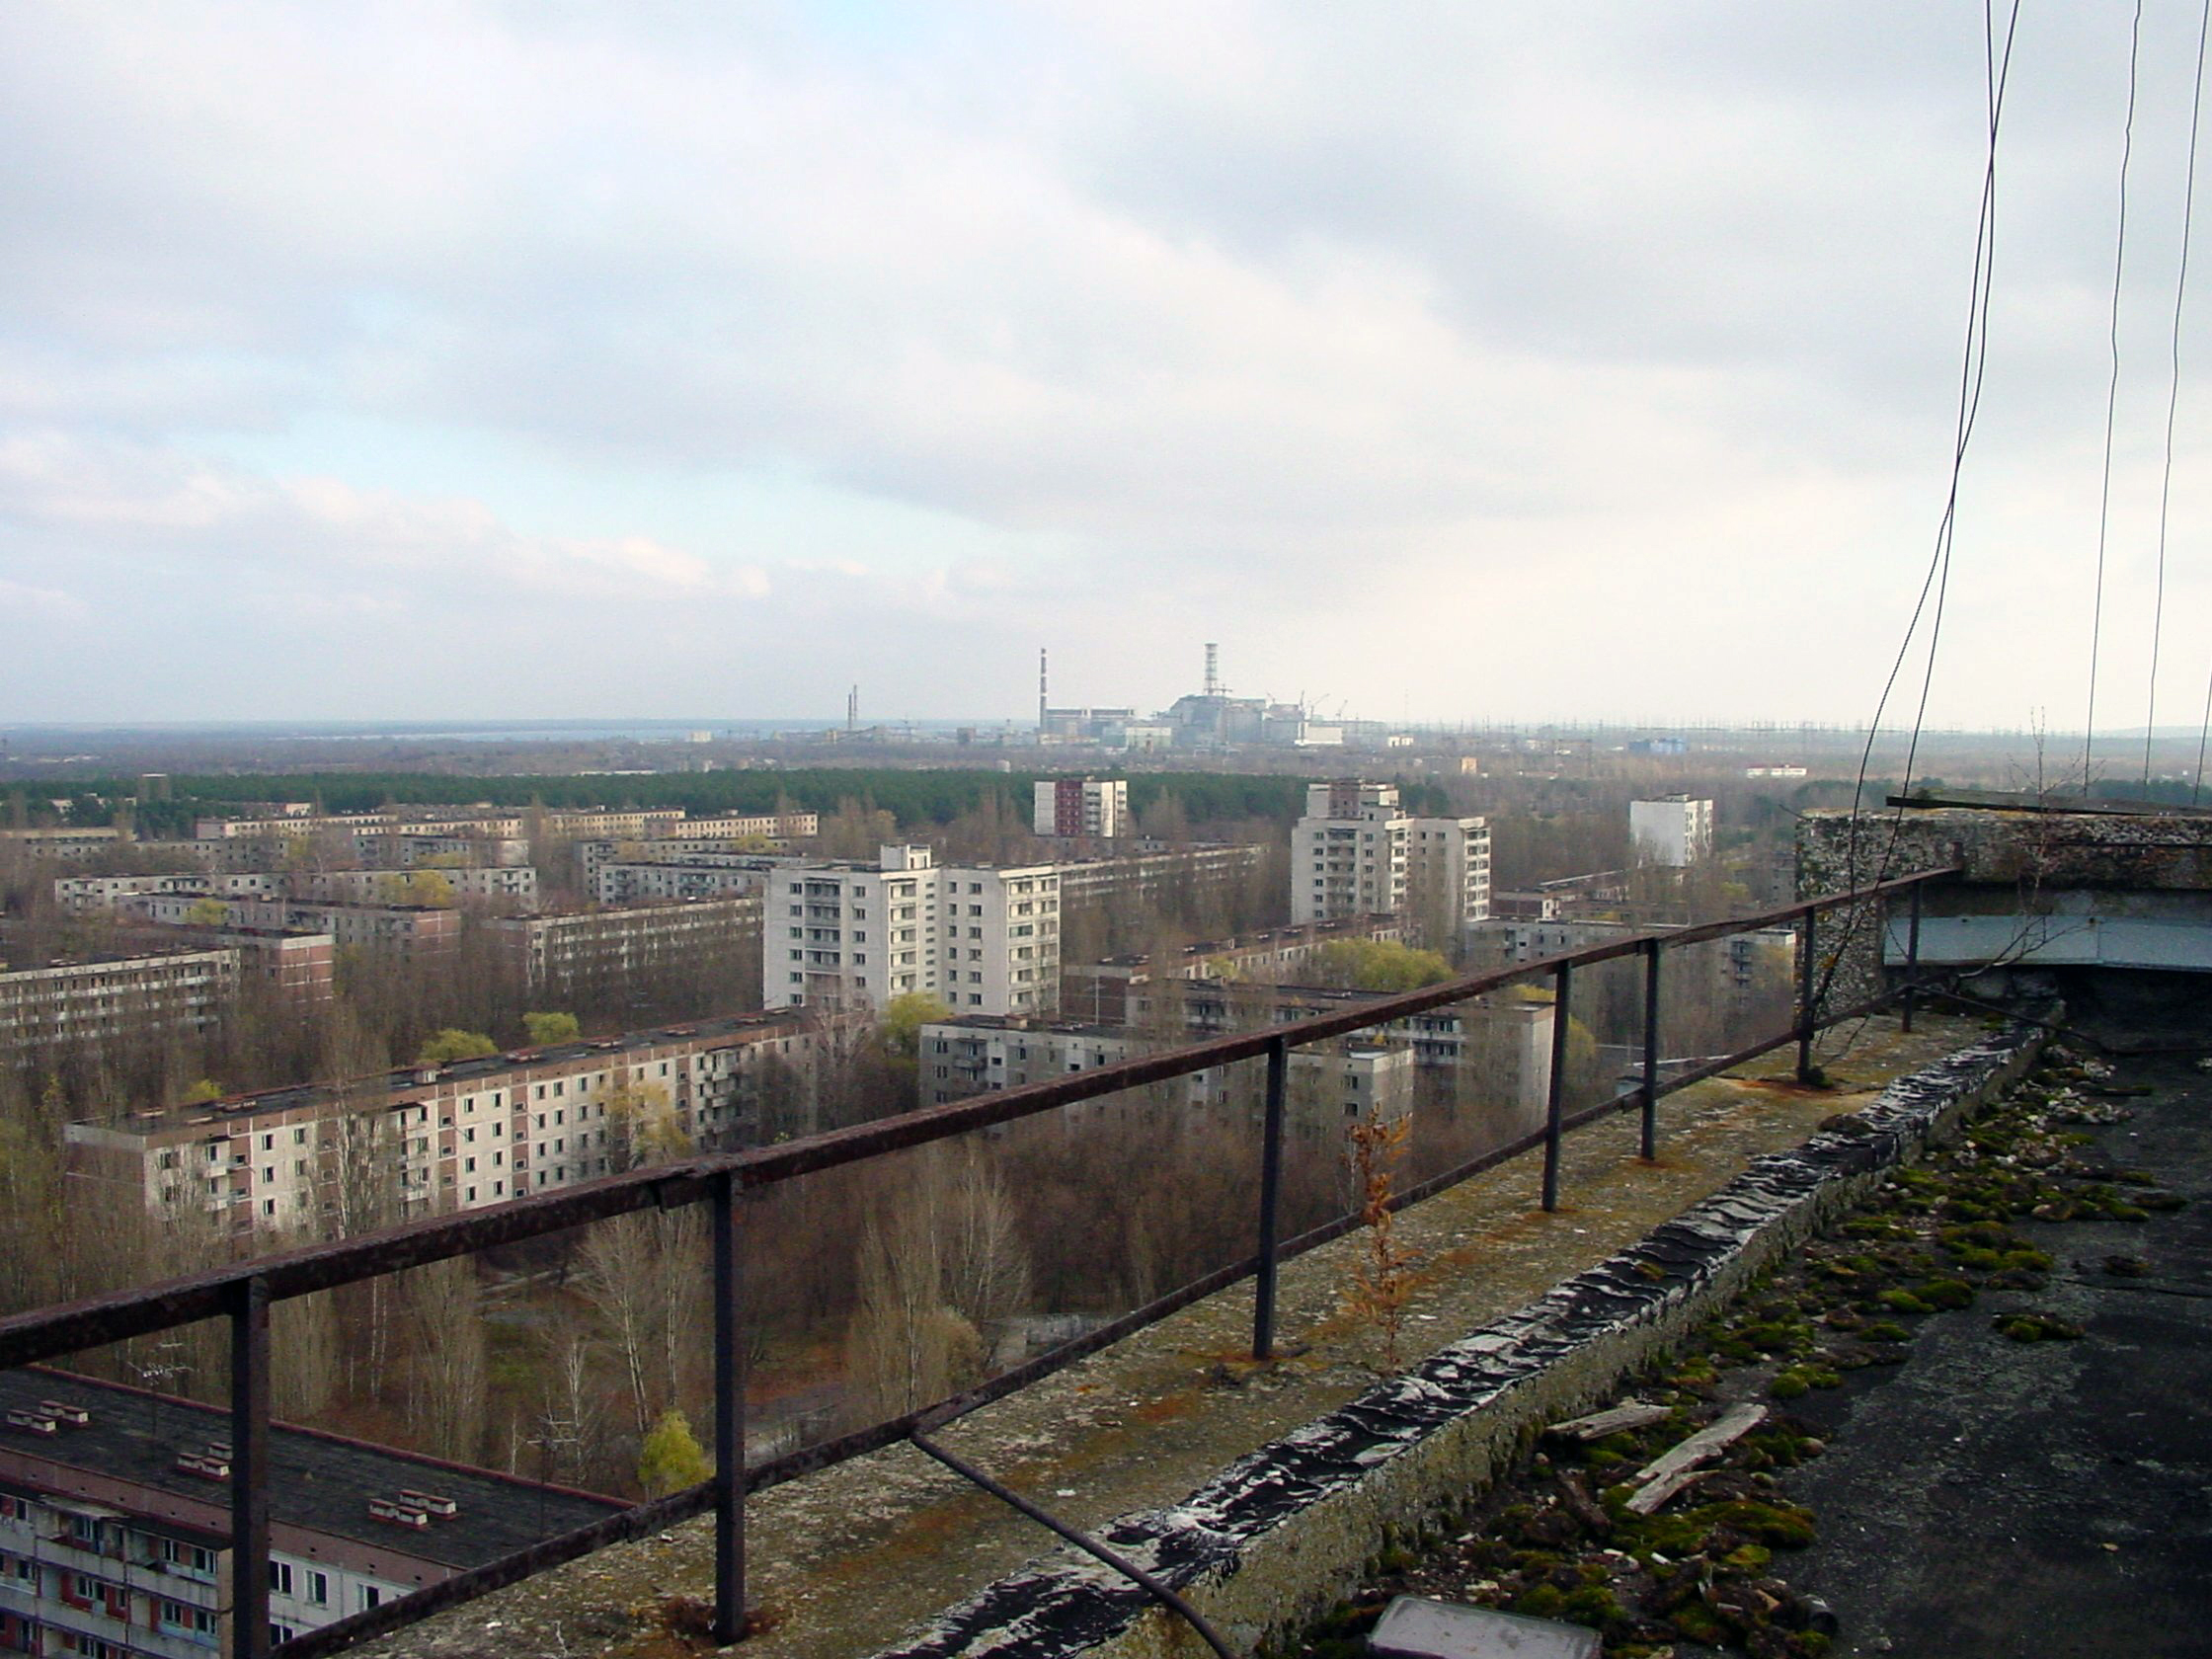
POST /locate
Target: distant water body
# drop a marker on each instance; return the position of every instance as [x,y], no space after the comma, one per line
[490,730]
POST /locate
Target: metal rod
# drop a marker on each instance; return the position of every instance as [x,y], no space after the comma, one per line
[729,1415]
[1561,1002]
[1270,1196]
[1805,994]
[249,1470]
[1649,1146]
[1912,963]
[1090,1546]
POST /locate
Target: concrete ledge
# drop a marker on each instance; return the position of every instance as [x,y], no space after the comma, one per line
[1281,1532]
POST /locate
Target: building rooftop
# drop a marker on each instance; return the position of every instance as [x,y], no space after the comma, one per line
[318,1480]
[101,959]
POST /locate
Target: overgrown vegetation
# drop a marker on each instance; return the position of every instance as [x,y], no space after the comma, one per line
[1557,1540]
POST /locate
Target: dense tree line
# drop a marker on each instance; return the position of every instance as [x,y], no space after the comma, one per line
[915,797]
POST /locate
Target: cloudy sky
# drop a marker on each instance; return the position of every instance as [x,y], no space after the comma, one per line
[527,359]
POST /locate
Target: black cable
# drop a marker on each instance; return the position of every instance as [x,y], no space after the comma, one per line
[2112,395]
[2174,397]
[2196,778]
[1995,74]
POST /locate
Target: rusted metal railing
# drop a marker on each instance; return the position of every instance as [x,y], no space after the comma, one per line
[243,1292]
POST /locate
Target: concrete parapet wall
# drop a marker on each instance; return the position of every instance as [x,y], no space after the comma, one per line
[1284,1532]
[2013,862]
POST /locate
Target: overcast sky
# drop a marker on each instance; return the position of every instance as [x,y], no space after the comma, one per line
[1460,361]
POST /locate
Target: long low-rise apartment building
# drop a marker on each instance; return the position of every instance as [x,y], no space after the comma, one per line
[1099,991]
[474,883]
[289,825]
[81,896]
[101,1000]
[409,930]
[463,1136]
[297,963]
[114,1522]
[468,884]
[369,849]
[739,826]
[61,846]
[558,951]
[1329,1084]
[1500,1044]
[1146,877]
[647,883]
[702,852]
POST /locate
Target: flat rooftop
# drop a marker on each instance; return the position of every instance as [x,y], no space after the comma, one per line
[317,1480]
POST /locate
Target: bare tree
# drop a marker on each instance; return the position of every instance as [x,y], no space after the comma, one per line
[619,1274]
[941,1263]
[984,1268]
[447,1362]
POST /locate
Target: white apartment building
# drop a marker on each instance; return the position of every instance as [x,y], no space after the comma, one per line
[1528,939]
[508,884]
[577,823]
[114,1522]
[1357,852]
[80,895]
[741,826]
[1081,807]
[984,941]
[1511,1032]
[466,1134]
[1676,830]
[653,882]
[1328,1085]
[294,825]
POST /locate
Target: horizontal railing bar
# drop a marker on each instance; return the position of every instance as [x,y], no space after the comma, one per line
[47,1333]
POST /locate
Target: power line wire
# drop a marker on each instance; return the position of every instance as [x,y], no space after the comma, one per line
[2111,394]
[1996,72]
[2172,399]
[1973,365]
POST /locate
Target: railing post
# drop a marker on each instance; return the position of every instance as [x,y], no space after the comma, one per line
[1271,1195]
[1912,957]
[1561,1002]
[249,1468]
[729,1414]
[1650,1144]
[1805,1014]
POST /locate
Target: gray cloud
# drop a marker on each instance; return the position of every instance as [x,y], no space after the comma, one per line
[1425,322]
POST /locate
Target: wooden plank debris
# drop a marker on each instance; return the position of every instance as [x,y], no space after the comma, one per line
[1670,1471]
[1578,1502]
[1633,1414]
